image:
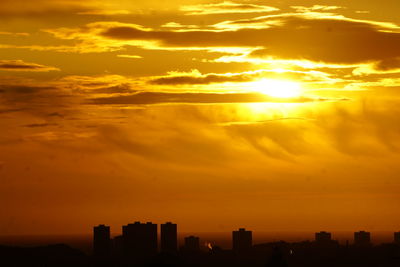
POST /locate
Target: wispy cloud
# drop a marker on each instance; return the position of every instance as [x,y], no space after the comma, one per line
[24,34]
[316,8]
[195,77]
[130,56]
[105,12]
[225,7]
[148,98]
[40,125]
[20,65]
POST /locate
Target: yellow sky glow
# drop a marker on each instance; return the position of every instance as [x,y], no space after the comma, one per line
[277,88]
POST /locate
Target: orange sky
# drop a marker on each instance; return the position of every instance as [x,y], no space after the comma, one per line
[269,115]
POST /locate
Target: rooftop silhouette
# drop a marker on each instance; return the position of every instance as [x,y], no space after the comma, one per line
[242,240]
[362,238]
[192,243]
[139,239]
[169,237]
[101,241]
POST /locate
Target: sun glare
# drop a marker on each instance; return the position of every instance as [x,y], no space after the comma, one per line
[278,88]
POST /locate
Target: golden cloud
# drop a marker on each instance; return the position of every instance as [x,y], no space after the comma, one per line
[295,37]
[315,8]
[196,78]
[225,7]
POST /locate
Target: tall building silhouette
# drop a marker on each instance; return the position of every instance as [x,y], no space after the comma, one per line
[397,238]
[323,237]
[169,237]
[140,239]
[101,241]
[241,240]
[362,238]
[192,243]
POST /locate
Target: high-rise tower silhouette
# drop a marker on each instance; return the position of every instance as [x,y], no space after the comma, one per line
[169,237]
[241,240]
[362,238]
[192,243]
[101,241]
[140,239]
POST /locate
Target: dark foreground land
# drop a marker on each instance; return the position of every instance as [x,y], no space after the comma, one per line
[304,254]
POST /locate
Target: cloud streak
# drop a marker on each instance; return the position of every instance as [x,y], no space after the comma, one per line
[20,65]
[225,7]
[147,98]
[196,78]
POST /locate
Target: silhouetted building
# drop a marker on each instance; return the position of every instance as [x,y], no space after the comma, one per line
[323,237]
[192,243]
[169,237]
[140,239]
[362,238]
[101,241]
[241,240]
[397,238]
[118,245]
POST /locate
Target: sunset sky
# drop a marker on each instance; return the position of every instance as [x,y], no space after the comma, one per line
[272,115]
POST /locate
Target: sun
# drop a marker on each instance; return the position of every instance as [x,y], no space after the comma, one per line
[278,88]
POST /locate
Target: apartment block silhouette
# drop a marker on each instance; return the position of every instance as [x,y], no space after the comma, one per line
[242,240]
[169,237]
[101,241]
[192,243]
[140,239]
[362,238]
